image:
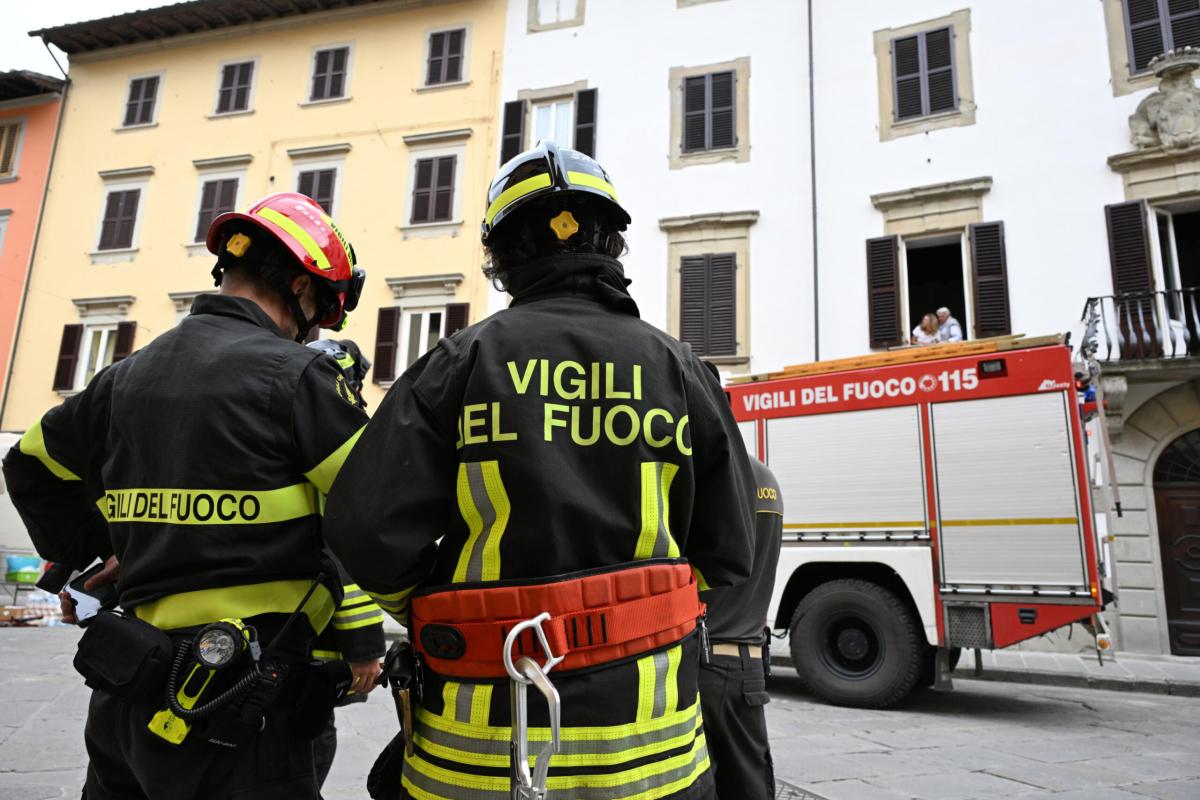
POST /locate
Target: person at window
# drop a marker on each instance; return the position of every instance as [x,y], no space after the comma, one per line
[195,468]
[557,443]
[926,332]
[948,328]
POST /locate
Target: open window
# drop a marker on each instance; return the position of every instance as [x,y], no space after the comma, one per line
[935,277]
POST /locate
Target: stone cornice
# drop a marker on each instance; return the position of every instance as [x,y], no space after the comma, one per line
[424,284]
[458,134]
[126,172]
[1151,157]
[223,162]
[89,306]
[320,151]
[933,192]
[740,218]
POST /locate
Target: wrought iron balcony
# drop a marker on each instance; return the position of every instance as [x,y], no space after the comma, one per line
[1142,326]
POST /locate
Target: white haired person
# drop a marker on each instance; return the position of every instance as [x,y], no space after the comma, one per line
[948,328]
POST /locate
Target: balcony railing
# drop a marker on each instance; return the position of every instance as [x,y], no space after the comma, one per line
[1144,325]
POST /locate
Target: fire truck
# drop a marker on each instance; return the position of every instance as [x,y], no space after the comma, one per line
[935,498]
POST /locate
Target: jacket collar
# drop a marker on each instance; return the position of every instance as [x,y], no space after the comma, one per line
[225,305]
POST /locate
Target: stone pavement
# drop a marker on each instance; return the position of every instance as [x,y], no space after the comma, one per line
[1120,672]
[982,740]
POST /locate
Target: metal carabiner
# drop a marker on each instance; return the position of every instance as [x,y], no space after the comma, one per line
[526,671]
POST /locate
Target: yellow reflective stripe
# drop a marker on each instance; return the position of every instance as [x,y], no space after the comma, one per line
[674,655]
[592,181]
[327,655]
[203,606]
[484,505]
[374,617]
[323,474]
[209,506]
[645,709]
[34,444]
[962,523]
[514,192]
[355,604]
[449,699]
[481,704]
[655,540]
[299,234]
[346,361]
[701,583]
[337,232]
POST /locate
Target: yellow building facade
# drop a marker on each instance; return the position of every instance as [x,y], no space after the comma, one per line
[384,111]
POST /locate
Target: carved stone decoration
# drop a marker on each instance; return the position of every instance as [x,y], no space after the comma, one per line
[1170,116]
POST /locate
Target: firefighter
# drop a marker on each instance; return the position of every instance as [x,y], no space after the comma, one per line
[199,463]
[560,449]
[355,634]
[733,689]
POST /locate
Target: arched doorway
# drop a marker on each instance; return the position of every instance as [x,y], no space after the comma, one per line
[1177,500]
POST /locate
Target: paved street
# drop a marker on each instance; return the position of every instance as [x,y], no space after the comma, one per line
[983,740]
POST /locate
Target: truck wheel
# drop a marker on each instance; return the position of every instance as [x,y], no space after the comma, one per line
[855,643]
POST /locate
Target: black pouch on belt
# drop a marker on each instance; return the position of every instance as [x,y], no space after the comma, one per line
[124,656]
[322,687]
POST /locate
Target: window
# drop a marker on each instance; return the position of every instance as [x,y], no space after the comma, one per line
[330,68]
[120,219]
[445,57]
[553,121]
[708,112]
[547,15]
[10,138]
[923,74]
[318,184]
[87,348]
[216,197]
[707,307]
[433,190]
[1154,27]
[4,215]
[234,93]
[404,334]
[141,105]
[565,115]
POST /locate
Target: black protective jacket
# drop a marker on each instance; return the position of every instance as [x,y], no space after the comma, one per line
[200,461]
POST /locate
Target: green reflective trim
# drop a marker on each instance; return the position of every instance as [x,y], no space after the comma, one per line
[203,606]
[515,192]
[346,361]
[34,444]
[300,235]
[592,182]
[353,621]
[323,474]
[327,655]
[209,506]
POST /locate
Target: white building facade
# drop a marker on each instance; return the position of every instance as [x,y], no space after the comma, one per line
[963,157]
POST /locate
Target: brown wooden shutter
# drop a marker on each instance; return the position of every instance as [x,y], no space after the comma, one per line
[124,345]
[693,302]
[512,139]
[939,71]
[443,183]
[695,113]
[435,70]
[722,305]
[387,331]
[307,183]
[1129,247]
[457,317]
[68,358]
[422,202]
[883,291]
[585,122]
[8,146]
[1144,30]
[722,131]
[906,78]
[989,266]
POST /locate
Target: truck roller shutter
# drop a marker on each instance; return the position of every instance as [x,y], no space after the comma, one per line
[585,122]
[512,139]
[457,317]
[883,291]
[1132,273]
[124,345]
[68,358]
[989,270]
[386,331]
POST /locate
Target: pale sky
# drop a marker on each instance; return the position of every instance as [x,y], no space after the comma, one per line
[19,51]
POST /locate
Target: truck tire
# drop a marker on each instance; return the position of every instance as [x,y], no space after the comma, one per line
[856,644]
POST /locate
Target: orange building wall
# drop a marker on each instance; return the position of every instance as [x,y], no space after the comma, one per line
[22,197]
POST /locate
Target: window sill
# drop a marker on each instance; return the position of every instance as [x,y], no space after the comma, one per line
[67,392]
[385,385]
[437,87]
[197,249]
[737,154]
[961,117]
[540,27]
[9,179]
[901,124]
[113,256]
[245,112]
[431,229]
[142,126]
[328,101]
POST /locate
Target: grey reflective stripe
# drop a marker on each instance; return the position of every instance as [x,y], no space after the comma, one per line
[342,618]
[462,702]
[574,747]
[663,538]
[661,663]
[487,512]
[354,595]
[448,790]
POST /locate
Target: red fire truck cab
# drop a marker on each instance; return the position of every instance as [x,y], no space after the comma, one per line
[934,499]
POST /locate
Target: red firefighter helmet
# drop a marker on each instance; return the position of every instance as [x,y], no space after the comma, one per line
[303,227]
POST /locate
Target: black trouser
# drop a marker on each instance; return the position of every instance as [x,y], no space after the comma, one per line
[324,749]
[733,692]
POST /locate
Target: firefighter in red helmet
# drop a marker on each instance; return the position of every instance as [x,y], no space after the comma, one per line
[197,467]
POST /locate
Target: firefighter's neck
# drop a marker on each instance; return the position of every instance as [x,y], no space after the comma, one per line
[272,302]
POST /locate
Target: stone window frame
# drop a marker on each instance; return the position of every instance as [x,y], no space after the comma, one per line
[435,145]
[741,111]
[315,51]
[690,3]
[960,22]
[183,301]
[468,29]
[533,26]
[532,97]
[213,169]
[419,294]
[96,313]
[701,234]
[215,112]
[5,213]
[1123,80]
[120,180]
[161,74]
[22,125]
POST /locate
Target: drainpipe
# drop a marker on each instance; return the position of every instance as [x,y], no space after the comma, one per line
[37,233]
[812,171]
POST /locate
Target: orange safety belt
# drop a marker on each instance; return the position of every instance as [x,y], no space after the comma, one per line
[596,617]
